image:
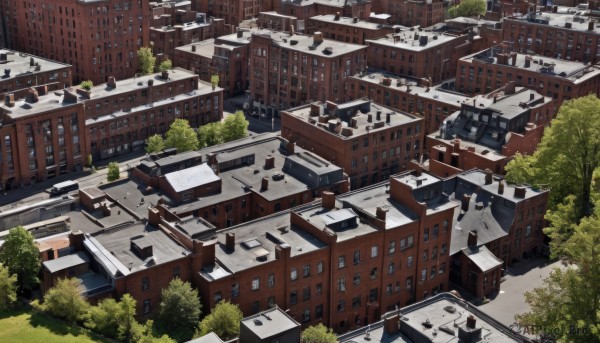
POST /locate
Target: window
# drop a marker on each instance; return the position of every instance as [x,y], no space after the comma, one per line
[319,289]
[434,252]
[528,230]
[374,251]
[319,311]
[388,289]
[445,226]
[255,284]
[436,229]
[145,283]
[271,302]
[341,306]
[409,282]
[426,235]
[235,290]
[432,275]
[147,307]
[218,297]
[271,280]
[176,271]
[342,261]
[294,274]
[306,272]
[293,297]
[423,274]
[373,294]
[356,279]
[306,315]
[356,302]
[391,268]
[392,247]
[320,267]
[442,268]
[373,273]
[357,257]
[255,307]
[443,251]
[397,287]
[409,241]
[341,284]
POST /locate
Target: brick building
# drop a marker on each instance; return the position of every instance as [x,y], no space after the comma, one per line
[232,11]
[418,54]
[422,13]
[345,29]
[496,225]
[22,71]
[121,115]
[489,130]
[341,262]
[370,142]
[559,35]
[174,24]
[303,10]
[98,40]
[272,20]
[242,181]
[433,103]
[291,70]
[482,33]
[226,56]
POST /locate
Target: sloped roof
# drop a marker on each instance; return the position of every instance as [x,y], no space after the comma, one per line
[482,257]
[186,179]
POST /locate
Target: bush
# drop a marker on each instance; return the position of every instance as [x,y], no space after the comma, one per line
[87,85]
[165,65]
[113,172]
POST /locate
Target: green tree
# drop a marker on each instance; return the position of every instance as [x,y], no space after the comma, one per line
[223,320]
[468,8]
[567,306]
[8,288]
[143,333]
[22,258]
[181,136]
[64,300]
[127,317]
[87,85]
[210,134]
[318,334]
[89,161]
[179,310]
[113,172]
[146,60]
[155,144]
[214,80]
[520,169]
[113,319]
[165,65]
[234,127]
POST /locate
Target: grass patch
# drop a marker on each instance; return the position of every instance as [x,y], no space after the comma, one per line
[31,326]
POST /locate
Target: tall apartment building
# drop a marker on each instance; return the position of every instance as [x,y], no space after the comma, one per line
[370,142]
[23,71]
[433,103]
[423,13]
[174,24]
[99,39]
[346,29]
[226,56]
[559,79]
[291,70]
[488,130]
[559,35]
[418,54]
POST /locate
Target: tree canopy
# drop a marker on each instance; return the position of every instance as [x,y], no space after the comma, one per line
[165,65]
[209,134]
[318,334]
[8,288]
[146,60]
[181,136]
[113,171]
[468,8]
[567,306]
[155,144]
[223,320]
[113,319]
[234,127]
[179,310]
[567,156]
[64,300]
[22,258]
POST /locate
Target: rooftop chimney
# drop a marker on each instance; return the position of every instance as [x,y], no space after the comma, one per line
[466,199]
[193,47]
[112,82]
[591,25]
[500,187]
[520,192]
[457,145]
[328,200]
[31,62]
[527,62]
[379,115]
[337,16]
[291,148]
[381,213]
[387,117]
[509,88]
[264,184]
[489,176]
[315,110]
[370,118]
[240,33]
[390,324]
[317,38]
[9,99]
[472,239]
[269,162]
[230,241]
[471,320]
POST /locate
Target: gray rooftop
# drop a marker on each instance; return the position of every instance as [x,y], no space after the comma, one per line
[66,262]
[319,218]
[305,44]
[256,238]
[133,196]
[415,40]
[578,22]
[440,311]
[19,64]
[194,227]
[483,258]
[190,178]
[211,337]
[269,323]
[118,243]
[347,21]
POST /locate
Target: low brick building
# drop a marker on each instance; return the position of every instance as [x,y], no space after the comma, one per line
[303,10]
[370,142]
[489,130]
[422,13]
[345,29]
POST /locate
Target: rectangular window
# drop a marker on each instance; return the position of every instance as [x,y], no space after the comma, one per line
[319,311]
[341,261]
[374,250]
[306,293]
[392,247]
[319,289]
[320,267]
[426,235]
[235,290]
[436,229]
[255,284]
[147,307]
[341,306]
[356,279]
[356,258]
[294,274]
[423,274]
[342,284]
[306,315]
[306,272]
[391,268]
[271,280]
[293,297]
[409,262]
[145,283]
[356,302]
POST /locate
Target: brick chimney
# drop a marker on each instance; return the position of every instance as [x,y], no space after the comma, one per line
[381,213]
[471,322]
[317,38]
[328,200]
[270,162]
[509,88]
[370,118]
[378,117]
[193,47]
[466,199]
[315,110]
[489,177]
[32,95]
[501,187]
[112,82]
[520,192]
[230,241]
[456,145]
[291,148]
[153,216]
[337,16]
[264,184]
[472,239]
[9,99]
[390,323]
[387,117]
[76,240]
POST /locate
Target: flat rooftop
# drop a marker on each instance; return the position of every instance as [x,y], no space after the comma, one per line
[305,44]
[415,40]
[578,22]
[347,21]
[576,72]
[19,64]
[133,196]
[255,244]
[269,323]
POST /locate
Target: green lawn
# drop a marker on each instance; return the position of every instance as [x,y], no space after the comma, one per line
[27,326]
